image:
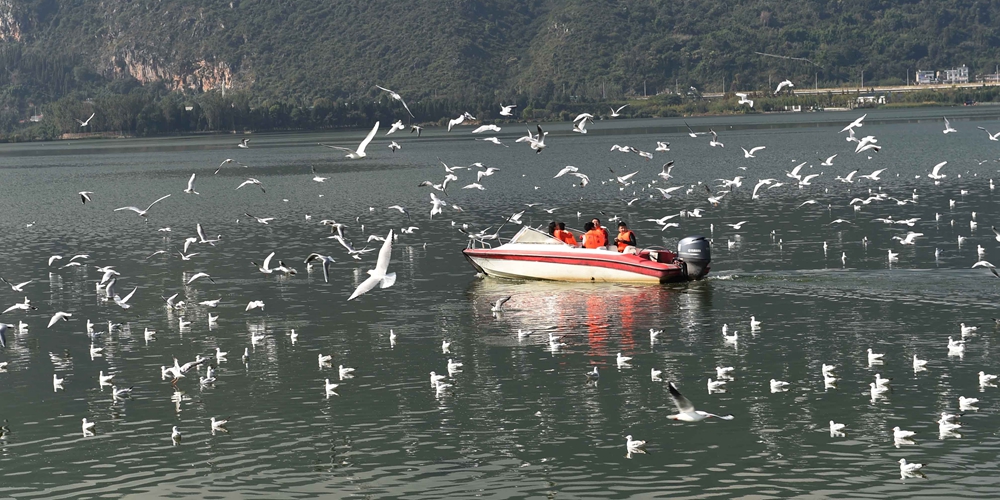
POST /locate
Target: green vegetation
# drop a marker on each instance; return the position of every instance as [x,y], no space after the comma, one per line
[159,67]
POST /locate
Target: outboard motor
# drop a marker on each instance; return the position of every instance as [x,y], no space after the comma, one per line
[696,253]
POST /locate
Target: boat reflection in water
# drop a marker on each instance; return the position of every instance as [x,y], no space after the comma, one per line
[607,317]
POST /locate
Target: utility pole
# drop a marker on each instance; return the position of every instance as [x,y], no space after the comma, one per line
[862,78]
[644,88]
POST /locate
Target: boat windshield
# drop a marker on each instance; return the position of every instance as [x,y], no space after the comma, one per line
[533,236]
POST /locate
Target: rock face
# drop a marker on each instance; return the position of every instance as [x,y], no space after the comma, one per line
[200,75]
[10,28]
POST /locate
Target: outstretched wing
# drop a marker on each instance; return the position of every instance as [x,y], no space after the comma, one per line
[136,210]
[683,404]
[364,143]
[267,261]
[191,183]
[382,264]
[157,201]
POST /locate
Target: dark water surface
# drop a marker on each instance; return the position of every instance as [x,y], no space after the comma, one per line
[519,420]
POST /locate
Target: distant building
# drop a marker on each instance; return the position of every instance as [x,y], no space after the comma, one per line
[956,75]
[926,77]
[36,118]
[871,99]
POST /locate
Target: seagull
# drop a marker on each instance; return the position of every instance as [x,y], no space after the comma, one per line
[899,434]
[622,361]
[993,137]
[199,275]
[398,125]
[882,382]
[453,367]
[919,364]
[615,113]
[749,154]
[88,427]
[877,391]
[716,385]
[662,146]
[829,162]
[20,306]
[251,180]
[84,123]
[326,260]
[397,97]
[378,276]
[715,140]
[360,152]
[909,470]
[967,404]
[498,304]
[685,409]
[255,304]
[580,127]
[570,168]
[855,123]
[779,386]
[190,186]
[324,359]
[461,119]
[59,316]
[743,99]
[935,173]
[724,372]
[874,358]
[784,84]
[85,196]
[486,128]
[947,126]
[874,175]
[956,347]
[910,238]
[966,330]
[57,383]
[244,144]
[505,110]
[143,213]
[417,129]
[344,372]
[691,132]
[835,429]
[266,266]
[653,334]
[218,425]
[175,434]
[986,379]
[634,445]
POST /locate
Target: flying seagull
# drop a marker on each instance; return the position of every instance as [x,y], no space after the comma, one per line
[143,213]
[84,123]
[397,97]
[378,276]
[85,196]
[685,409]
[360,152]
[326,260]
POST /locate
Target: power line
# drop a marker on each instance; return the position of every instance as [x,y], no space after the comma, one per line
[788,57]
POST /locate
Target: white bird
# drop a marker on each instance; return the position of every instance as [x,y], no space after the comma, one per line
[907,469]
[919,364]
[743,99]
[715,140]
[724,372]
[199,275]
[397,97]
[899,434]
[882,382]
[877,391]
[324,359]
[143,213]
[494,140]
[968,330]
[947,126]
[855,123]
[497,306]
[505,109]
[190,186]
[936,172]
[836,429]
[779,385]
[220,355]
[461,119]
[122,393]
[986,379]
[893,256]
[84,123]
[654,374]
[653,333]
[716,385]
[486,128]
[255,182]
[785,84]
[634,445]
[874,175]
[255,304]
[436,379]
[360,152]
[874,358]
[103,379]
[454,367]
[398,125]
[344,372]
[378,275]
[218,425]
[622,361]
[993,137]
[244,144]
[749,154]
[967,404]
[88,427]
[910,238]
[59,316]
[615,113]
[326,260]
[393,146]
[266,266]
[85,196]
[685,409]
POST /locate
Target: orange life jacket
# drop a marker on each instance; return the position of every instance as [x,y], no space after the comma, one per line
[594,239]
[624,239]
[565,236]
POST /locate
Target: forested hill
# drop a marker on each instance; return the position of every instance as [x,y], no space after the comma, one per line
[468,52]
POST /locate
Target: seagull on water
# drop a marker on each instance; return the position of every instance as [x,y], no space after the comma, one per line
[967,404]
[634,445]
[874,358]
[836,430]
[919,364]
[498,305]
[88,427]
[622,361]
[907,469]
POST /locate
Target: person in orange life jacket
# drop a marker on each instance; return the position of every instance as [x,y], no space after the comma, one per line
[563,235]
[594,237]
[625,239]
[597,226]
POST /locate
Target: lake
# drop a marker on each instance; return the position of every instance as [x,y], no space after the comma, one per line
[520,420]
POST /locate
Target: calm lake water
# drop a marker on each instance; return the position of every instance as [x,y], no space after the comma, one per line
[519,420]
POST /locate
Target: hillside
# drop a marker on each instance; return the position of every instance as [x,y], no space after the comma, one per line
[453,54]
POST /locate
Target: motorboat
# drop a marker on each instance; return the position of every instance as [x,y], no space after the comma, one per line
[535,254]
